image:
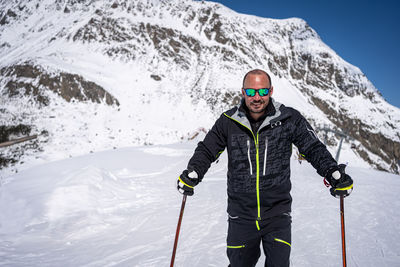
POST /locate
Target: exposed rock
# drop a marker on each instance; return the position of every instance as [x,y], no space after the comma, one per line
[10,132]
[155,77]
[6,18]
[68,86]
[377,143]
[13,154]
[202,40]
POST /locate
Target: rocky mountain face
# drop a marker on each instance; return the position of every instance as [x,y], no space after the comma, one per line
[142,72]
[31,80]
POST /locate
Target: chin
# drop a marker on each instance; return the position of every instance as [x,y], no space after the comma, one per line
[257,110]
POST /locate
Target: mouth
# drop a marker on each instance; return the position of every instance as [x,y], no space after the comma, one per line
[256,104]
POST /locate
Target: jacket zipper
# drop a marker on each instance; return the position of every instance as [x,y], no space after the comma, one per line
[265,155]
[258,170]
[258,182]
[248,156]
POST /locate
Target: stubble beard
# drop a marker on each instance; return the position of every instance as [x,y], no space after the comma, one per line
[261,106]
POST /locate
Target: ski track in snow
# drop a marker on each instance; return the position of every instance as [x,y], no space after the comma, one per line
[121,207]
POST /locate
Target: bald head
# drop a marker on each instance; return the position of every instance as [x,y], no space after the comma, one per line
[256,72]
[256,103]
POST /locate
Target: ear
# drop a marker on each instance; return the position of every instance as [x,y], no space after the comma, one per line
[243,93]
[271,91]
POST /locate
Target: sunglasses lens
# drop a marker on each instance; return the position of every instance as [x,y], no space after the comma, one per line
[250,92]
[263,91]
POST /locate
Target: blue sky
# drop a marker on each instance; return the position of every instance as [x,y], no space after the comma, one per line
[364,33]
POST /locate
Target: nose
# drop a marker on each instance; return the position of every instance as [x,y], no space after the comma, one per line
[257,96]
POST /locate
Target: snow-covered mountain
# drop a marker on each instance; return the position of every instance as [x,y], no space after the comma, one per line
[118,208]
[90,75]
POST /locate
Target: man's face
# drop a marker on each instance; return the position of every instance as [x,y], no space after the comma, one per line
[257,104]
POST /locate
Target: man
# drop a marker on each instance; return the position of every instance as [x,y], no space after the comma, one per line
[258,135]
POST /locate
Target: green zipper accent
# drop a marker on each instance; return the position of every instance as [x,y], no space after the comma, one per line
[283,241]
[258,183]
[242,246]
[258,170]
[219,154]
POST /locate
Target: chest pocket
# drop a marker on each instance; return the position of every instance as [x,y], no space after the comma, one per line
[242,166]
[241,149]
[279,150]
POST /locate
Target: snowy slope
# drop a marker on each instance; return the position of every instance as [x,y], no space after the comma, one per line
[120,208]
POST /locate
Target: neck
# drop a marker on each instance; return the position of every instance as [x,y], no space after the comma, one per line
[256,116]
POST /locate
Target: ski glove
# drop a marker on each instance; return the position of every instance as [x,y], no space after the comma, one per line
[341,183]
[187,181]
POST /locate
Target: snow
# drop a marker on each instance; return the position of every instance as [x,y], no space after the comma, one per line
[120,208]
[90,199]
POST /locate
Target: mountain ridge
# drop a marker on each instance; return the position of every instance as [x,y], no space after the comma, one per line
[191,55]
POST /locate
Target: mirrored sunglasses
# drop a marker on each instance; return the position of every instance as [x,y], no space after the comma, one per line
[261,91]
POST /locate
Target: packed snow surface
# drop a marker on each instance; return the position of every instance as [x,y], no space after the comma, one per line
[120,208]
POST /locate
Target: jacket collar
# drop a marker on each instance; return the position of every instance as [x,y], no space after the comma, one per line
[240,114]
[269,111]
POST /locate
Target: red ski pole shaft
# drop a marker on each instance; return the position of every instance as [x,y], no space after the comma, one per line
[178,228]
[343,231]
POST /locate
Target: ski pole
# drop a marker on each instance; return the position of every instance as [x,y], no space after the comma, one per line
[177,230]
[343,231]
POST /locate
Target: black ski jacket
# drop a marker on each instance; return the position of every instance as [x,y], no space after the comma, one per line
[259,162]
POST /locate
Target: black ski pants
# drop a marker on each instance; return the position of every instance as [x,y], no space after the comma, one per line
[243,241]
